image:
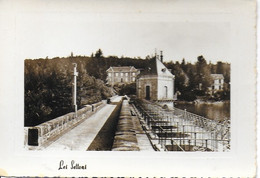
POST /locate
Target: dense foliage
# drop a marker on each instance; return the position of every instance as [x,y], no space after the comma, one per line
[48,88]
[127,89]
[48,82]
[192,80]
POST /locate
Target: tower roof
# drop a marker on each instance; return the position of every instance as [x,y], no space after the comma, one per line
[156,67]
[150,69]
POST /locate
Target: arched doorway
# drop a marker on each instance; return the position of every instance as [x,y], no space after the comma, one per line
[147,92]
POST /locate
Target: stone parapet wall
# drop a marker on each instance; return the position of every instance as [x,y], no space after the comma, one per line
[141,88]
[125,136]
[42,133]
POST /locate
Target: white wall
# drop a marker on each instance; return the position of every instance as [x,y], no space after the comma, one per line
[162,82]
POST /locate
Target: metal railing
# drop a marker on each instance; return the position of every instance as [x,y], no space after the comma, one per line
[180,130]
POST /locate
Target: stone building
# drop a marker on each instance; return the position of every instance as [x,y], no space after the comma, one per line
[156,83]
[121,75]
[217,83]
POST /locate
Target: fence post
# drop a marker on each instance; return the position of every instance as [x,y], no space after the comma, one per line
[171,133]
[161,138]
[180,143]
[159,135]
[216,141]
[211,142]
[195,138]
[148,120]
[183,135]
[165,138]
[223,143]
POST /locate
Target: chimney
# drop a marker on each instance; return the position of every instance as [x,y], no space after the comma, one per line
[161,56]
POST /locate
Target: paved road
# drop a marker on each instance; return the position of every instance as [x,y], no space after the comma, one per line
[80,137]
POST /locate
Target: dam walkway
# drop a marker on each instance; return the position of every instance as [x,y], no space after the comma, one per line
[121,125]
[79,135]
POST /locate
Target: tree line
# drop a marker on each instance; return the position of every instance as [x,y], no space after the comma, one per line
[193,80]
[48,82]
[48,87]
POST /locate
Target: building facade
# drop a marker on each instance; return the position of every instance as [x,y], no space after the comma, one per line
[121,75]
[156,83]
[217,83]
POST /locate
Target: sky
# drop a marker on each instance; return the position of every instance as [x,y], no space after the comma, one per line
[52,34]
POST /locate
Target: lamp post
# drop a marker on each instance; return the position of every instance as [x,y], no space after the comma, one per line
[74,93]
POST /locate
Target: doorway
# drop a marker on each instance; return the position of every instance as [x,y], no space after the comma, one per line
[147,92]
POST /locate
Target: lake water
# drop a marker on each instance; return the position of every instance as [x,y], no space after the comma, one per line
[215,111]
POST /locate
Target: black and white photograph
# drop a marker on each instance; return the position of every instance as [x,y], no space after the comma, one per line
[111,103]
[134,88]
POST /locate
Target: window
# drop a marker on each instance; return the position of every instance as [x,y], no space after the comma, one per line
[109,74]
[121,79]
[122,74]
[126,74]
[165,91]
[133,79]
[126,79]
[116,74]
[133,74]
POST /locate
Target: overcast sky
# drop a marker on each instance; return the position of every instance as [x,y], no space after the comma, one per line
[58,34]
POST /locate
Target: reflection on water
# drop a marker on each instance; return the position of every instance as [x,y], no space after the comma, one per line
[216,111]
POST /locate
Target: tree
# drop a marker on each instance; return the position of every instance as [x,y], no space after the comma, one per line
[212,68]
[99,53]
[191,73]
[48,84]
[148,57]
[128,89]
[184,65]
[193,80]
[219,69]
[203,73]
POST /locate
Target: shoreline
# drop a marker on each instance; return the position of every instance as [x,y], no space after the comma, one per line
[199,101]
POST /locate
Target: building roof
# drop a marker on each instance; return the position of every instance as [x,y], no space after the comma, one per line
[156,67]
[217,76]
[122,69]
[150,69]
